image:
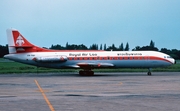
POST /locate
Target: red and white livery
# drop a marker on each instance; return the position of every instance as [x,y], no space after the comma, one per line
[21,50]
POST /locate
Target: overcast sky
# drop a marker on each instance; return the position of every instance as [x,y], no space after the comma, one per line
[47,22]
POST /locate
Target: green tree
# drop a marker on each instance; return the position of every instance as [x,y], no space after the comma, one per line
[101,47]
[104,46]
[67,45]
[137,48]
[82,47]
[3,50]
[93,47]
[152,44]
[121,47]
[57,47]
[151,47]
[113,48]
[127,47]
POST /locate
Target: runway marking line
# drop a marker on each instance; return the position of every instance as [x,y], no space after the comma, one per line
[44,95]
[120,83]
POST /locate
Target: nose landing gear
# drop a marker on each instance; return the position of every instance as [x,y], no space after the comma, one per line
[149,72]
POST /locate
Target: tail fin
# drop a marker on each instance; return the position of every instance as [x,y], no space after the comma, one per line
[18,44]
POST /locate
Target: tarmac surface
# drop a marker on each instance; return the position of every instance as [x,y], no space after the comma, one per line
[102,92]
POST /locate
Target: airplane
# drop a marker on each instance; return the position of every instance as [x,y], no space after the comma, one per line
[21,50]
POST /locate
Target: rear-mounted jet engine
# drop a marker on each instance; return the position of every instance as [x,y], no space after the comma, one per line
[51,59]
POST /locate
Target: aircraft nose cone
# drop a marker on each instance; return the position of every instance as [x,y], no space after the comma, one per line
[173,61]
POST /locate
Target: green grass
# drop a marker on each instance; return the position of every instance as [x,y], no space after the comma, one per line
[14,67]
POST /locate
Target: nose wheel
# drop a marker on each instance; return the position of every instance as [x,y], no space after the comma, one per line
[149,72]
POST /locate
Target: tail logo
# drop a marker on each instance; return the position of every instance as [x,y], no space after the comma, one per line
[20,40]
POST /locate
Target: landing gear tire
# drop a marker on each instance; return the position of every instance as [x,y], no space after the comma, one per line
[86,73]
[149,73]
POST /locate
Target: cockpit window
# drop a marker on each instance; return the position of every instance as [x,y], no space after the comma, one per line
[167,57]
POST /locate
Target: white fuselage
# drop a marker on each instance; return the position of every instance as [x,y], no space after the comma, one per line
[21,50]
[70,59]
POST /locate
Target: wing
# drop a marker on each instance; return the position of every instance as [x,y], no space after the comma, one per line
[95,65]
[90,65]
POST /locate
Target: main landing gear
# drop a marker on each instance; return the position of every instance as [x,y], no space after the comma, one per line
[149,72]
[86,73]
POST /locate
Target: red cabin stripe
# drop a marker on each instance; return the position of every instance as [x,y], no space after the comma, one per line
[120,58]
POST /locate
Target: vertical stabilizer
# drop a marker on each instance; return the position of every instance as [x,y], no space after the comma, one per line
[10,39]
[18,44]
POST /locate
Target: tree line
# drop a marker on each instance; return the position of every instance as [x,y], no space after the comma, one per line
[92,47]
[173,53]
